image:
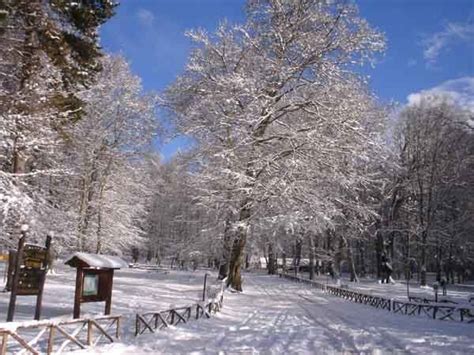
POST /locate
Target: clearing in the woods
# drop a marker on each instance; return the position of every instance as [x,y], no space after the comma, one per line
[277,316]
[272,315]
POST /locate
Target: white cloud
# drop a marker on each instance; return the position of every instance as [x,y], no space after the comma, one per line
[412,62]
[145,17]
[440,41]
[459,90]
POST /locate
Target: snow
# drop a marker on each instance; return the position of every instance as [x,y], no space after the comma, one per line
[460,294]
[271,316]
[274,316]
[98,260]
[133,291]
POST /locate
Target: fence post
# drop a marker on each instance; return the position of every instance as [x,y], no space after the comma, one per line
[204,288]
[50,340]
[137,325]
[89,332]
[16,276]
[172,316]
[4,343]
[117,331]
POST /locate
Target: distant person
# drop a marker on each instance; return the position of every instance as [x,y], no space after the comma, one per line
[386,269]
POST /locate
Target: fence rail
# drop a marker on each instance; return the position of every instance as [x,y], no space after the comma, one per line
[153,321]
[56,336]
[430,310]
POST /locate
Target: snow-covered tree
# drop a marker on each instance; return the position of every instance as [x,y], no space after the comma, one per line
[435,142]
[275,108]
[104,152]
[48,49]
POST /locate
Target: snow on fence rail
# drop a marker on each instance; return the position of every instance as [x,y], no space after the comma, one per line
[50,336]
[147,267]
[152,321]
[434,311]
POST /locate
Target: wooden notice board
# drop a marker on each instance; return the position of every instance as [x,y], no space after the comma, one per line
[27,273]
[94,278]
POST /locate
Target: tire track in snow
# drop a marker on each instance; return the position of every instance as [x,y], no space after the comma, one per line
[328,331]
[366,339]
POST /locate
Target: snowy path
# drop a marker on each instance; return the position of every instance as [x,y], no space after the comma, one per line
[275,316]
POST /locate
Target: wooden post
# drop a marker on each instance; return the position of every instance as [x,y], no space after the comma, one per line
[77,296]
[137,325]
[89,332]
[16,276]
[11,269]
[4,343]
[117,332]
[204,288]
[108,301]
[172,316]
[39,297]
[51,340]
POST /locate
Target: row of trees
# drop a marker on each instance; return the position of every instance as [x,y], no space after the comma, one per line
[75,129]
[429,213]
[294,157]
[418,216]
[284,130]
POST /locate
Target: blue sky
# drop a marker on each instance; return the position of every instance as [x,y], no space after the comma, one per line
[430,43]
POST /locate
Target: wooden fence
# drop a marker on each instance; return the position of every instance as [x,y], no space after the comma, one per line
[55,336]
[153,321]
[151,267]
[430,310]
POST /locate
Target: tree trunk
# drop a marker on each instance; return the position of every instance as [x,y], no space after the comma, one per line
[438,259]
[350,256]
[86,209]
[312,256]
[379,249]
[361,258]
[338,258]
[271,260]
[226,251]
[234,279]
[297,255]
[99,221]
[423,258]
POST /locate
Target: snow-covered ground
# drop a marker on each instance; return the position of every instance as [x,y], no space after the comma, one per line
[133,291]
[271,316]
[398,290]
[274,316]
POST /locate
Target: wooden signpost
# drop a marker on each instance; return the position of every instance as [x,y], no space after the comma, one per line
[27,273]
[94,279]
